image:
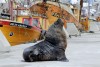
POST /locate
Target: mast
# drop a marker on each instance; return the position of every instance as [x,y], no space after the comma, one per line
[88,8]
[81,5]
[11,9]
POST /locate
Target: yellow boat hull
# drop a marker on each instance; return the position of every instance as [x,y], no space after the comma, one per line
[18,35]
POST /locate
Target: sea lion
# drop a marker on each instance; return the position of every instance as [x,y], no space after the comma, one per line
[52,48]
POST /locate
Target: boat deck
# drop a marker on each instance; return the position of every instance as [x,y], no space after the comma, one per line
[82,51]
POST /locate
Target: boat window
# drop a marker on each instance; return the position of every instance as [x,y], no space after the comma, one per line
[26,21]
[35,22]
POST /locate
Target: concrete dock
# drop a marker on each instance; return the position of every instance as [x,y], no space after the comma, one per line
[82,51]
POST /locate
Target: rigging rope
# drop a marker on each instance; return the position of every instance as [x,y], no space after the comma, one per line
[61,11]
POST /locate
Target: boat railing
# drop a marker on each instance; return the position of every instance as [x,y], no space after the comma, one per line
[5,16]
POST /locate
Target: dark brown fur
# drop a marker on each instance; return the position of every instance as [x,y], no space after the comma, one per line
[52,48]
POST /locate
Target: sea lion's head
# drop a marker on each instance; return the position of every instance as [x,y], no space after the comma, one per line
[57,24]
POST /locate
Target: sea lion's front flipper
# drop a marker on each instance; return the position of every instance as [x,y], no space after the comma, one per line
[62,58]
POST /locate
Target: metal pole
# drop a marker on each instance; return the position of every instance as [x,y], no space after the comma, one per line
[81,5]
[11,9]
[88,9]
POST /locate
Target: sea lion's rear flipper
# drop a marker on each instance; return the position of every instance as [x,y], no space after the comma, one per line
[62,58]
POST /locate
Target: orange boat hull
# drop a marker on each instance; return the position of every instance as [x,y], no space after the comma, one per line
[18,35]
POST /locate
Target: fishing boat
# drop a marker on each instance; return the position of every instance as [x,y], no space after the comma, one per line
[41,14]
[18,32]
[98,19]
[48,11]
[54,10]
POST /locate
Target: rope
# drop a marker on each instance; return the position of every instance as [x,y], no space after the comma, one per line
[60,9]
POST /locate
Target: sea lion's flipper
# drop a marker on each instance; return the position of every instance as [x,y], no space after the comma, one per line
[62,58]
